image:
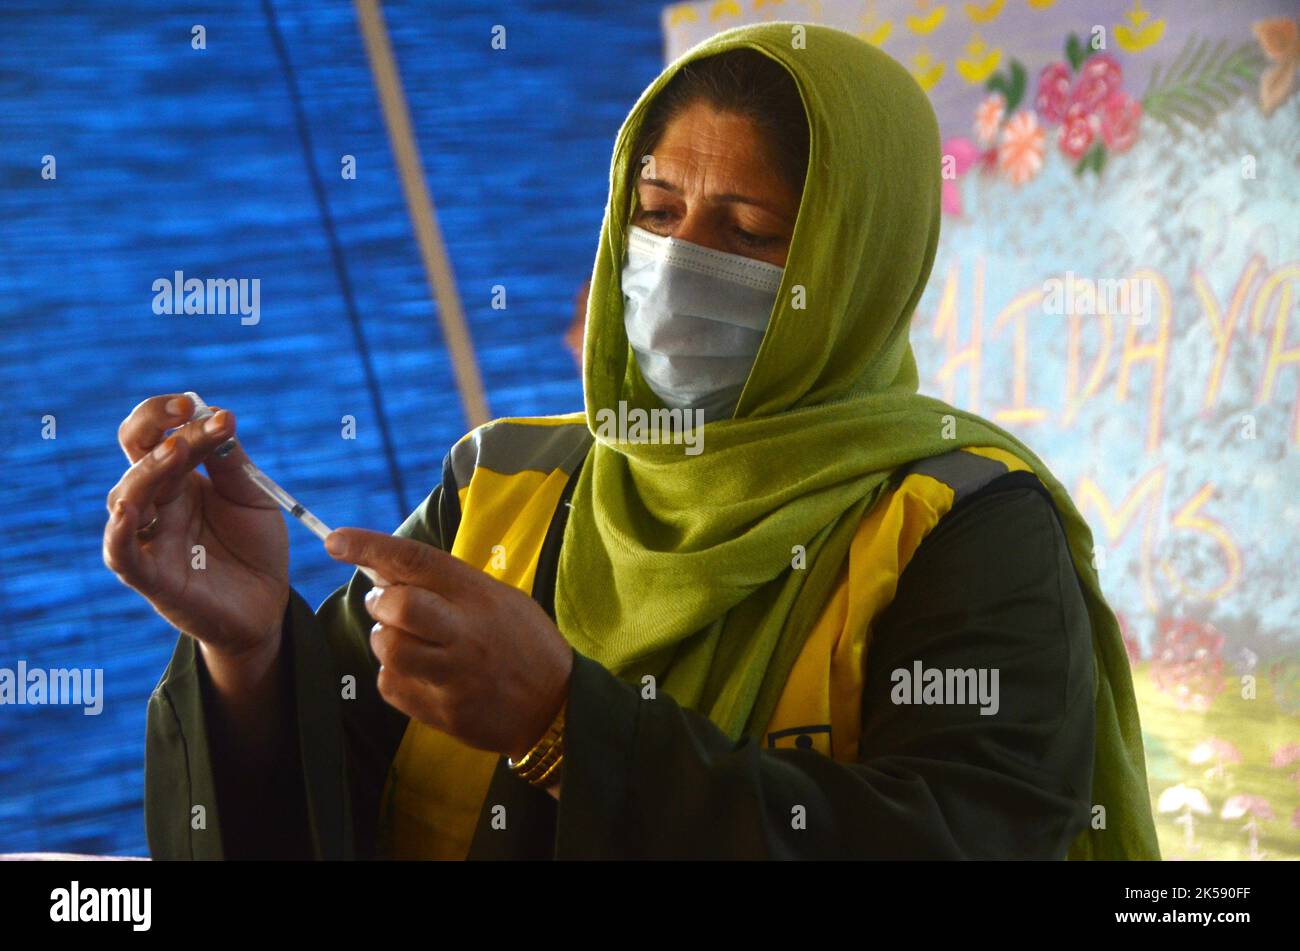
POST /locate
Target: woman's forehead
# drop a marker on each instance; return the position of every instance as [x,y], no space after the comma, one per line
[720,156]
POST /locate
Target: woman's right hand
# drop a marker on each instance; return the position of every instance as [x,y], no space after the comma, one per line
[235,602]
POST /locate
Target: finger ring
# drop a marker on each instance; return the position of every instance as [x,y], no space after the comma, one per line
[146,532]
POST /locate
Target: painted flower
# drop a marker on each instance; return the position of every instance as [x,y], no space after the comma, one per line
[1279,38]
[1053,92]
[988,117]
[1216,750]
[1254,809]
[1075,136]
[959,154]
[1098,78]
[1120,116]
[1187,663]
[1183,798]
[1243,805]
[1219,753]
[1020,149]
[1286,755]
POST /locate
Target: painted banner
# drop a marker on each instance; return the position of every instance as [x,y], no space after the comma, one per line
[1116,284]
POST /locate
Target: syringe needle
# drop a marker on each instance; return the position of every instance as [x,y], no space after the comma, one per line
[297,510]
[286,501]
[268,485]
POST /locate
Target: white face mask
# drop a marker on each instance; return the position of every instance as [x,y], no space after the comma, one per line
[695,318]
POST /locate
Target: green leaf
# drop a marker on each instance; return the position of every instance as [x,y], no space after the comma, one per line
[1203,80]
[1092,160]
[1016,88]
[1074,52]
[1216,55]
[1215,95]
[1194,60]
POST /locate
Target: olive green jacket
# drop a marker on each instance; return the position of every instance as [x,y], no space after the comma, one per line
[657,780]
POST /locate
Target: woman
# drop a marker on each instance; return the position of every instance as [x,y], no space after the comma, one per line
[839,620]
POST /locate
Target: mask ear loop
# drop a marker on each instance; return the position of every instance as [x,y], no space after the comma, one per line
[634,390]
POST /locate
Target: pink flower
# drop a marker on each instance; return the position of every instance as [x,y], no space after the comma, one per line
[1120,115]
[1075,135]
[988,117]
[1099,77]
[963,153]
[1219,752]
[1286,755]
[1020,150]
[1187,663]
[1214,749]
[959,154]
[1053,92]
[1246,805]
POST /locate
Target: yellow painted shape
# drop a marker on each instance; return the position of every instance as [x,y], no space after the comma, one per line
[925,25]
[979,64]
[724,8]
[1134,37]
[924,73]
[879,35]
[681,13]
[985,14]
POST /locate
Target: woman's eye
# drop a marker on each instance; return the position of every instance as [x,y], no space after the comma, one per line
[656,215]
[755,240]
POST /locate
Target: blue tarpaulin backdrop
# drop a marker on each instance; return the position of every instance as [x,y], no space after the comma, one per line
[172,159]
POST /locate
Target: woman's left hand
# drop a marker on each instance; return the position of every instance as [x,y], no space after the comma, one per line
[459,650]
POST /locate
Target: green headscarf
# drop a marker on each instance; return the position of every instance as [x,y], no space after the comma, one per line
[679,565]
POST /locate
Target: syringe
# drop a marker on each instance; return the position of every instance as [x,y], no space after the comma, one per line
[268,485]
[202,411]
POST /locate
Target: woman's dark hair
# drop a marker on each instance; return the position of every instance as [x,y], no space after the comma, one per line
[747,83]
